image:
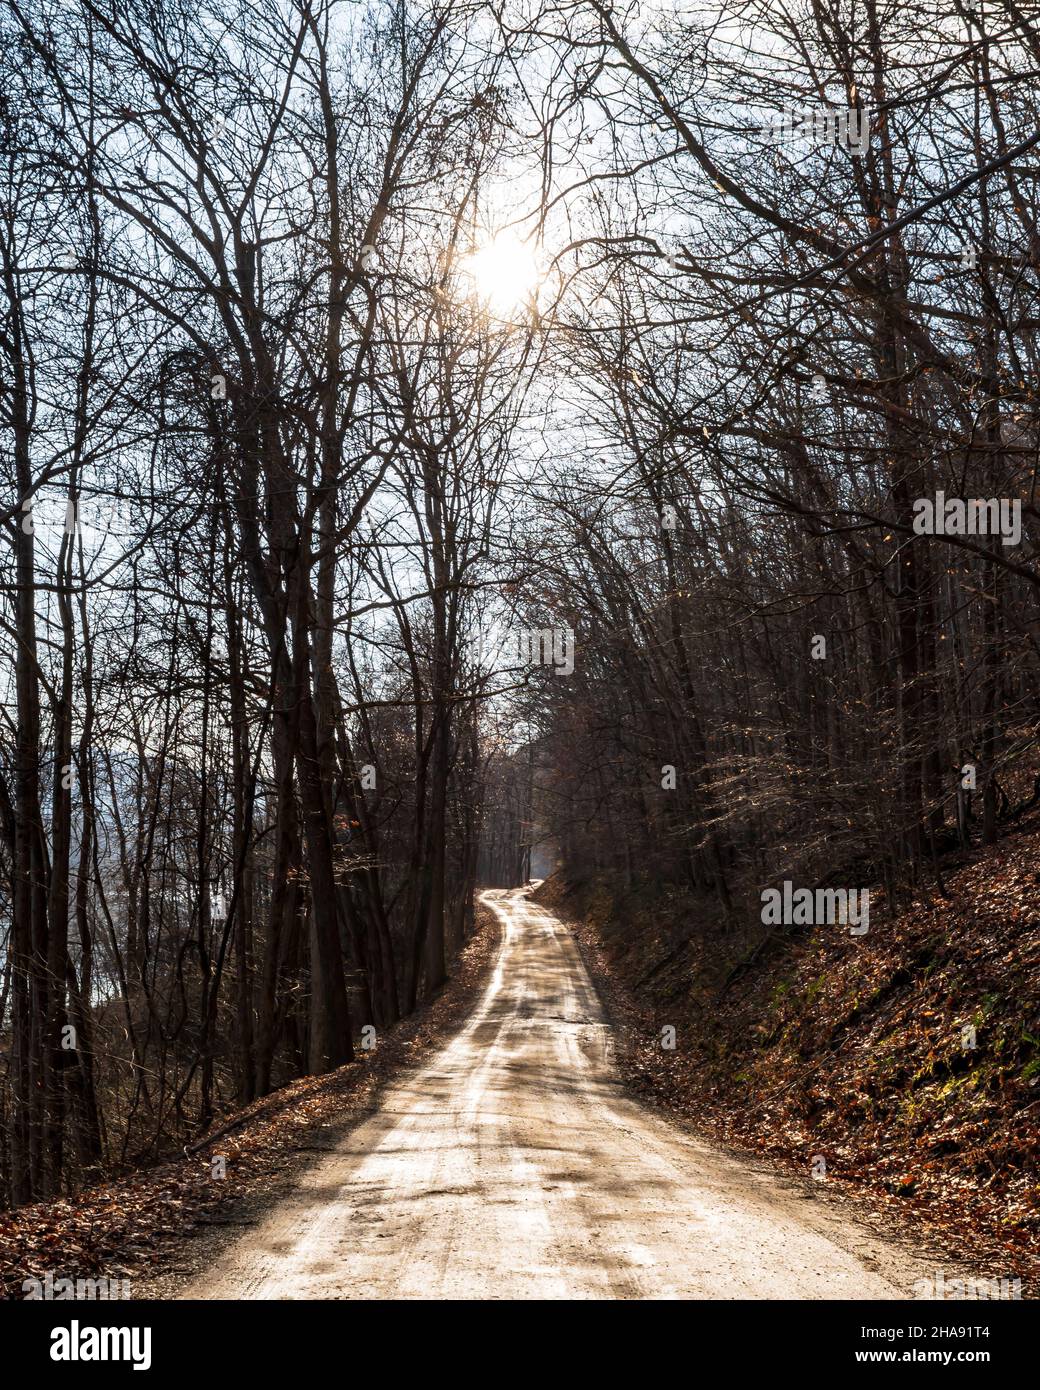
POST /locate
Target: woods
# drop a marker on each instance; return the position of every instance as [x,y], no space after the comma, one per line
[787,665]
[339,341]
[238,769]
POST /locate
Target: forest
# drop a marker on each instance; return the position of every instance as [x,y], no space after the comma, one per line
[456,443]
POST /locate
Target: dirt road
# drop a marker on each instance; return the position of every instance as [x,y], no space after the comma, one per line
[514,1166]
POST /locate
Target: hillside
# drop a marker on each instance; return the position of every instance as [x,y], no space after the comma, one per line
[819,1044]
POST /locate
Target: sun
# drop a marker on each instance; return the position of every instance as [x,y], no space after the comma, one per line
[504,273]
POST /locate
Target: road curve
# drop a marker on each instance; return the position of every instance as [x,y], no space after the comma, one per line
[513,1165]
